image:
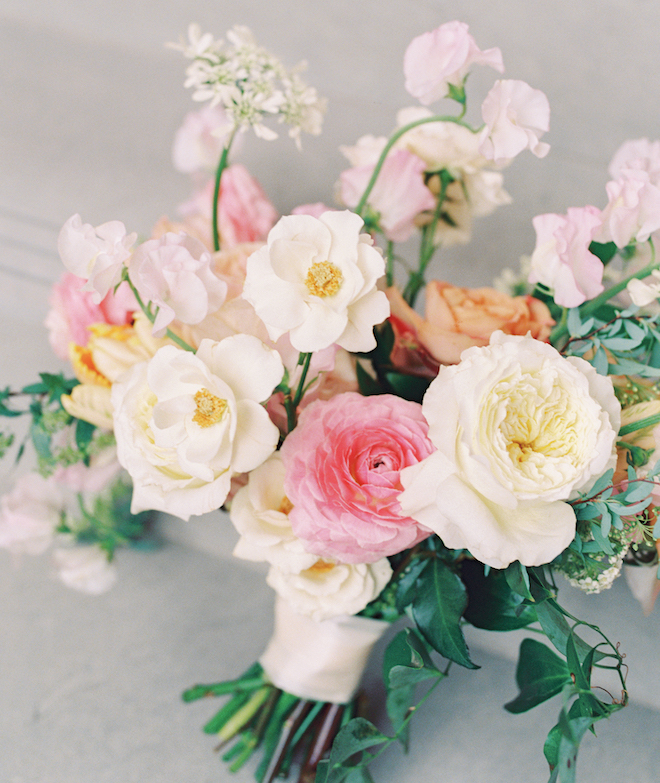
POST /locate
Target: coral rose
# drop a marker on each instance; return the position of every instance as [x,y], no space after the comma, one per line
[458,318]
[342,475]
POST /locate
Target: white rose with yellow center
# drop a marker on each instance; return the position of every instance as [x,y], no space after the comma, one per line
[315,279]
[519,429]
[185,423]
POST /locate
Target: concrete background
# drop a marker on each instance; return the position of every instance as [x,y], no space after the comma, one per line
[90,99]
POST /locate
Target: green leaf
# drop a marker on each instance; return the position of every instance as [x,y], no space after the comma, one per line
[368,385]
[410,387]
[355,737]
[540,675]
[437,609]
[556,628]
[84,434]
[492,604]
[518,579]
[407,662]
[605,251]
[407,583]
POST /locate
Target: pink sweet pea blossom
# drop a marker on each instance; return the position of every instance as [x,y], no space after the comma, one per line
[639,154]
[633,211]
[174,273]
[516,116]
[443,57]
[96,254]
[342,475]
[245,213]
[398,196]
[199,141]
[561,259]
[72,310]
[30,514]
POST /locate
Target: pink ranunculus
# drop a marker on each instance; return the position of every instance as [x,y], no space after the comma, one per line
[342,475]
[516,116]
[633,210]
[73,309]
[443,57]
[562,260]
[30,514]
[98,255]
[199,141]
[245,213]
[398,196]
[174,273]
[639,154]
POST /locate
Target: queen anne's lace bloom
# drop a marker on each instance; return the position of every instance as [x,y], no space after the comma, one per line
[250,84]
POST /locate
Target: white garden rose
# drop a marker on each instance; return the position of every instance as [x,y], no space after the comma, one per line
[260,513]
[519,429]
[329,589]
[85,568]
[316,279]
[185,423]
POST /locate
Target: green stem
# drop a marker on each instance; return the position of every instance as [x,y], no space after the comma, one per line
[246,713]
[152,317]
[222,165]
[389,268]
[291,404]
[560,332]
[359,209]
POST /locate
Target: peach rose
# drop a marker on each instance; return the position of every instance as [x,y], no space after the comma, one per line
[458,318]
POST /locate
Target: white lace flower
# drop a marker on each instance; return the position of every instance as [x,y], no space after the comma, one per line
[316,279]
[250,84]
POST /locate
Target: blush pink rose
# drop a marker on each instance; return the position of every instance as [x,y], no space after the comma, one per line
[73,310]
[342,475]
[245,213]
[436,59]
[398,196]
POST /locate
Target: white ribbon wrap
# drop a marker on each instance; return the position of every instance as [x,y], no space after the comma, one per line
[316,660]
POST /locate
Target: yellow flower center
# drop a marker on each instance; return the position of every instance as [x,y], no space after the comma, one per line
[321,567]
[285,506]
[210,409]
[323,279]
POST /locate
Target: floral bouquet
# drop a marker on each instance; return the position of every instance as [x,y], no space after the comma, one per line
[389,467]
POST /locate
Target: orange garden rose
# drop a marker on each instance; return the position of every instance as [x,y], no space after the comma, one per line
[458,318]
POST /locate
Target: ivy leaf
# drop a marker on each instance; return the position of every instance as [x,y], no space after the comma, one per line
[605,251]
[368,385]
[518,579]
[406,587]
[492,604]
[407,662]
[437,609]
[355,737]
[540,675]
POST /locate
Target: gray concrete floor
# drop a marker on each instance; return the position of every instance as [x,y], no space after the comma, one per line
[90,101]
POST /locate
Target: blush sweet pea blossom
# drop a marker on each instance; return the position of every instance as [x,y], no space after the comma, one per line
[398,196]
[185,423]
[199,141]
[85,568]
[562,260]
[98,255]
[175,274]
[342,475]
[316,279]
[435,60]
[518,430]
[632,213]
[30,514]
[516,116]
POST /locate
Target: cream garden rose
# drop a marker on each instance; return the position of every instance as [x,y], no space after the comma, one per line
[519,429]
[185,423]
